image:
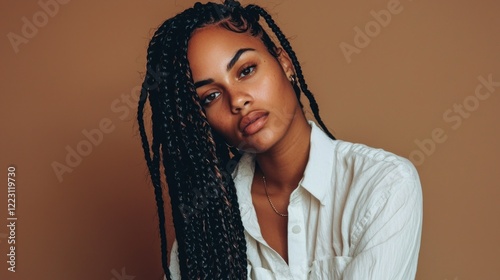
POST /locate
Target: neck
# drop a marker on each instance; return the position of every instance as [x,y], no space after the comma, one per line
[284,164]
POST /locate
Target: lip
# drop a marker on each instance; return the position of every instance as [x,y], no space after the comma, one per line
[253,122]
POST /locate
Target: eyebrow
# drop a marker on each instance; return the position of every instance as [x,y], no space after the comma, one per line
[203,82]
[230,65]
[237,56]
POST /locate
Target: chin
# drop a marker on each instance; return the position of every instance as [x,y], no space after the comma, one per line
[259,143]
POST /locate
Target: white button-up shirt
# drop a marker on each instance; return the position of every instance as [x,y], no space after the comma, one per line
[355,215]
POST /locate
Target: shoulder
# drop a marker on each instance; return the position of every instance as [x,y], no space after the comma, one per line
[369,178]
[356,161]
[371,162]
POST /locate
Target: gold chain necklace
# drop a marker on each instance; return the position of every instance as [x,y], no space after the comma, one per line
[269,199]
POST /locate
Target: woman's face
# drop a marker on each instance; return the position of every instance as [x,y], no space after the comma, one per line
[245,91]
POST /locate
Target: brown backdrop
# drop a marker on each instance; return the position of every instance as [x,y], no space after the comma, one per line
[410,84]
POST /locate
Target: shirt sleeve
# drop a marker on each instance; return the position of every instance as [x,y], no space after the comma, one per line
[174,268]
[385,240]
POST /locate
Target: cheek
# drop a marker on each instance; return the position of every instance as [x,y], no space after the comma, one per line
[282,99]
[220,123]
[215,120]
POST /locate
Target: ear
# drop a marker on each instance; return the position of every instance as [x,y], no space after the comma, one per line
[285,62]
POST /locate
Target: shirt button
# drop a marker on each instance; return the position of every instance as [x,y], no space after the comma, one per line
[296,229]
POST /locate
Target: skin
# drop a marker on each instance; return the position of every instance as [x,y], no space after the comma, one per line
[256,88]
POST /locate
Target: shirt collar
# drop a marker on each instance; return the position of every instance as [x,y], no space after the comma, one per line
[317,175]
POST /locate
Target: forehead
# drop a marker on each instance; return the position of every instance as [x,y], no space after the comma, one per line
[218,36]
[215,42]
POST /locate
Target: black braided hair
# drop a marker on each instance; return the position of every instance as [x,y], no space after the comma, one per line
[197,161]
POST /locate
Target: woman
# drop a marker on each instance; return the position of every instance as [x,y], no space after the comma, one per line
[257,191]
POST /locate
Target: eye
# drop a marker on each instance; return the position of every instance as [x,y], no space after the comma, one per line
[209,98]
[247,71]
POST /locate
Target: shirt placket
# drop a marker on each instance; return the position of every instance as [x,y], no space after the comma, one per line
[297,259]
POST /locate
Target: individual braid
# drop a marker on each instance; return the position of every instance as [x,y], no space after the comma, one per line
[153,167]
[288,48]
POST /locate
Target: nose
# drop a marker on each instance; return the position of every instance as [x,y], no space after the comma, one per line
[239,101]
